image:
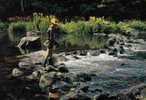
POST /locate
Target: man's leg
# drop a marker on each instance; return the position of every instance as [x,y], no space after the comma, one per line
[44,63]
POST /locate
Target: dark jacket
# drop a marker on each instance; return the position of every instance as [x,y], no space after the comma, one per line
[52,32]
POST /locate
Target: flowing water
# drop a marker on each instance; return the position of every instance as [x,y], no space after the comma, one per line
[112,74]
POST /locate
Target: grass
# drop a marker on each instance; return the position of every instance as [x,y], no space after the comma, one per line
[77,33]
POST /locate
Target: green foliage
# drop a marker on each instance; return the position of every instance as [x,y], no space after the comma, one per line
[16,31]
[81,34]
[137,25]
[104,26]
[3,26]
[29,26]
[125,28]
[44,24]
[76,33]
[37,20]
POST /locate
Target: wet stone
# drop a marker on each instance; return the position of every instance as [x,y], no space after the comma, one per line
[16,72]
[61,86]
[93,53]
[46,80]
[26,65]
[83,53]
[63,69]
[50,68]
[65,98]
[84,77]
[81,96]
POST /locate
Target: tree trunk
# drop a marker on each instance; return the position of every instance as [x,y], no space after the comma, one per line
[22,6]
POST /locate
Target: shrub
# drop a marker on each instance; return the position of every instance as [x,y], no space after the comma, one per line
[16,31]
[29,26]
[81,34]
[37,20]
[102,25]
[3,26]
[44,24]
[124,28]
[137,25]
[140,28]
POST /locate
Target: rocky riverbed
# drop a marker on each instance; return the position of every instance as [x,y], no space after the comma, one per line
[90,76]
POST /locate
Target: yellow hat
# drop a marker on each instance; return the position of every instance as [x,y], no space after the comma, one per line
[54,21]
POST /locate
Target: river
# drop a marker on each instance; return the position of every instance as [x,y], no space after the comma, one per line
[112,74]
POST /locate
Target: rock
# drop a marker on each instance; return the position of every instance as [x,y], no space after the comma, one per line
[137,92]
[67,53]
[93,53]
[111,41]
[83,53]
[66,97]
[35,75]
[30,43]
[60,75]
[101,97]
[84,77]
[80,96]
[33,33]
[60,86]
[63,69]
[54,96]
[46,81]
[31,60]
[121,49]
[70,77]
[71,57]
[102,51]
[26,65]
[50,68]
[16,72]
[113,52]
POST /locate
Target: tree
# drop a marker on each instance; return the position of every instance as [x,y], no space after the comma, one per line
[22,5]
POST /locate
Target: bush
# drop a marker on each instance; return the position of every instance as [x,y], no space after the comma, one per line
[29,26]
[16,31]
[44,24]
[124,28]
[137,25]
[3,26]
[81,34]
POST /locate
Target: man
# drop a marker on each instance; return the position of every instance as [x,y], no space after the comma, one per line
[50,42]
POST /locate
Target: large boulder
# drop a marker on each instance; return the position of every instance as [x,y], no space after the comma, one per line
[30,41]
[46,81]
[31,60]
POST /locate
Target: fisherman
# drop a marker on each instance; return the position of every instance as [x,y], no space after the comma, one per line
[50,42]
